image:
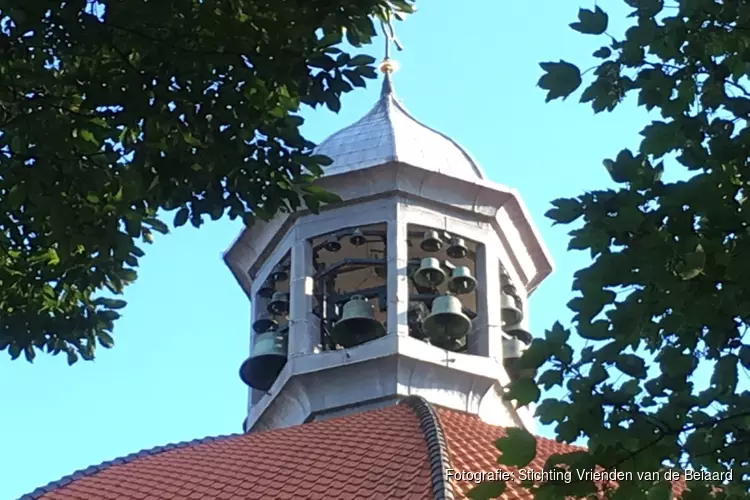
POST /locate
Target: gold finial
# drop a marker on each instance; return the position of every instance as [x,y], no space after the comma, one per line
[388,66]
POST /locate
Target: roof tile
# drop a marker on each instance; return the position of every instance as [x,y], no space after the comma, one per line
[375,454]
[382,450]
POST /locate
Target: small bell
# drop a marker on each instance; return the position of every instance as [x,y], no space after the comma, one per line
[267,289]
[516,332]
[264,323]
[279,304]
[357,324]
[332,245]
[430,274]
[280,273]
[447,320]
[457,249]
[431,242]
[462,282]
[357,238]
[513,349]
[511,314]
[416,315]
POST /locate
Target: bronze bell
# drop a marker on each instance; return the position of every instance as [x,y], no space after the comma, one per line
[457,249]
[513,349]
[268,358]
[279,305]
[264,323]
[332,245]
[431,242]
[267,289]
[447,320]
[357,324]
[280,273]
[519,333]
[511,314]
[430,274]
[357,238]
[461,281]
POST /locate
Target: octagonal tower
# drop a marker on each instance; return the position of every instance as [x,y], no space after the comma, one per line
[417,283]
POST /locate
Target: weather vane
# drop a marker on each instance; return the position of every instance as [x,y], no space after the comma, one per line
[388,65]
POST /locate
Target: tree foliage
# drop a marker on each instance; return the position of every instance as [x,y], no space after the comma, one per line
[114,113]
[663,309]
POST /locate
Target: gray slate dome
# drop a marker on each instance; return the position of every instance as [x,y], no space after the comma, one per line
[388,133]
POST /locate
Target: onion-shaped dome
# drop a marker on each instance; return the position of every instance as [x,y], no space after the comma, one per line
[388,133]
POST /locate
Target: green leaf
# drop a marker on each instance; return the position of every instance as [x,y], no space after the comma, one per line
[565,211]
[524,391]
[105,340]
[487,490]
[693,265]
[632,365]
[591,22]
[361,60]
[551,378]
[603,53]
[181,217]
[725,374]
[659,138]
[560,79]
[86,135]
[517,448]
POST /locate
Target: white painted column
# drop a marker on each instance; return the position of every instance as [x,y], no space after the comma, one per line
[303,328]
[397,279]
[487,334]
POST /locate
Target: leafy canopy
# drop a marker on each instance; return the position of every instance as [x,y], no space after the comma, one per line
[668,287]
[113,113]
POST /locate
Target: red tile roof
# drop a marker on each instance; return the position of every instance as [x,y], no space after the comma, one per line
[402,451]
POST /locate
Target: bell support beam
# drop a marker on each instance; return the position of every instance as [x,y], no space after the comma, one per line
[488,331]
[397,277]
[304,332]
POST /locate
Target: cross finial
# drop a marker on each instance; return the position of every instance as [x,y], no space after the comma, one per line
[388,65]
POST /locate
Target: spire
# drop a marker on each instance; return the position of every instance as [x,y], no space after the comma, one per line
[388,65]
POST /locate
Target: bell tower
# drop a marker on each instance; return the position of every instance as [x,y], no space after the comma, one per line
[417,283]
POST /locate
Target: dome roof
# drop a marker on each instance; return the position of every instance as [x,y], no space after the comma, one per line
[388,133]
[401,451]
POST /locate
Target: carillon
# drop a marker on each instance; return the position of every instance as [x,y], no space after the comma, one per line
[416,282]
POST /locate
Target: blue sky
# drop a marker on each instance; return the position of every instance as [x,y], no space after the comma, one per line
[469,72]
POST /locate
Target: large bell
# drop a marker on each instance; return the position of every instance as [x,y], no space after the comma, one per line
[264,323]
[279,305]
[429,274]
[461,281]
[511,314]
[431,242]
[357,324]
[269,356]
[447,320]
[267,289]
[457,249]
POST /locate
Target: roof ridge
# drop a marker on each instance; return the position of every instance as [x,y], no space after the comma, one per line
[94,469]
[437,450]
